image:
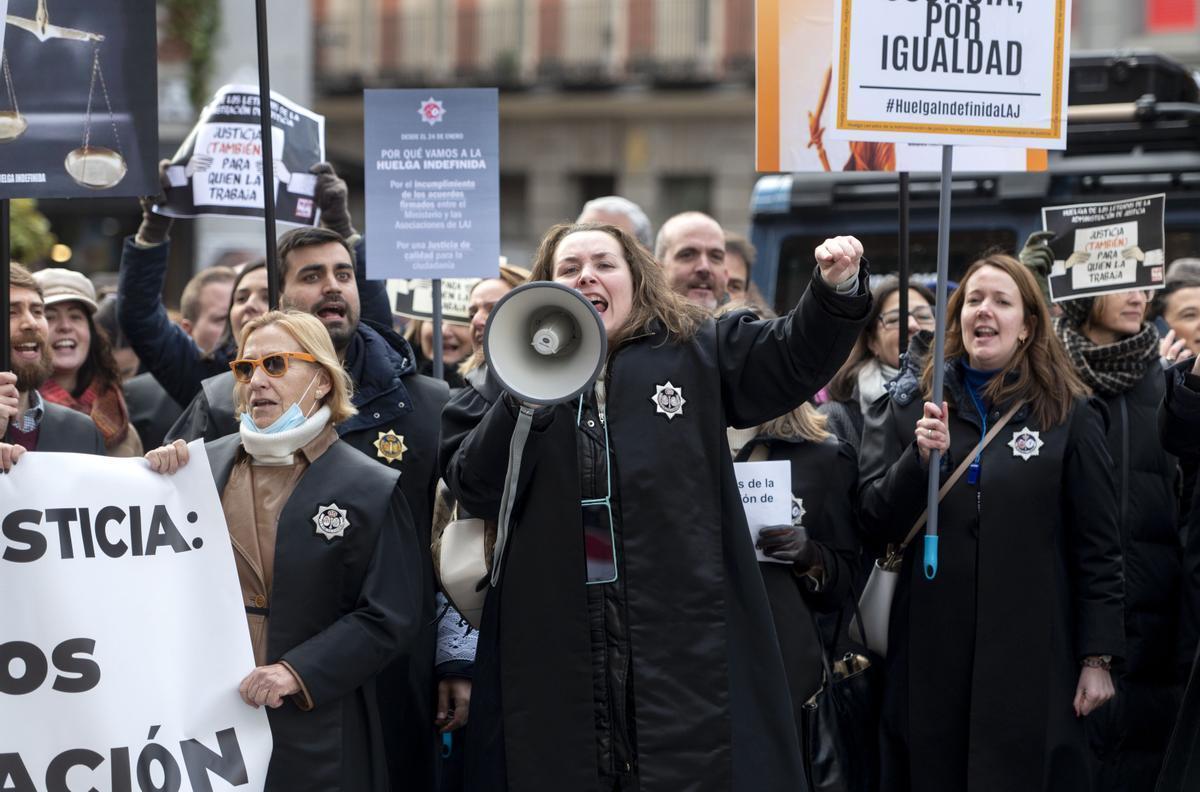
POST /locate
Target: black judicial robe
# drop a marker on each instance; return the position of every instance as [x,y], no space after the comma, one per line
[709,708]
[983,661]
[390,397]
[824,489]
[341,610]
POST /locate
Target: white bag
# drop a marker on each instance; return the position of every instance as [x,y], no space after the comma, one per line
[875,605]
[462,564]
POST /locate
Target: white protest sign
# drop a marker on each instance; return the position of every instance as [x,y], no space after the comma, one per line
[766,490]
[414,298]
[983,72]
[218,169]
[123,638]
[794,105]
[1106,247]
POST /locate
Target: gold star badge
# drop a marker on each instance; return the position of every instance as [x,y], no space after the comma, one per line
[390,446]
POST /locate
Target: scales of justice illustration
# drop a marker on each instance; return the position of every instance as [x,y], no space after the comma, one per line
[92,166]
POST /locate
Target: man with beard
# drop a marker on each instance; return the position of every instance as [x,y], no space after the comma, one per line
[29,422]
[399,416]
[691,247]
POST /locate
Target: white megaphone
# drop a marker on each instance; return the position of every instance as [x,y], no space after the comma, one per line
[545,343]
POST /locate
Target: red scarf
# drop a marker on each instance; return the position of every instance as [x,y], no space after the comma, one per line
[106,408]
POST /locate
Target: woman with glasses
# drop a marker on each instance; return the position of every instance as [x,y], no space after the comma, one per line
[326,554]
[875,359]
[1115,351]
[995,661]
[628,643]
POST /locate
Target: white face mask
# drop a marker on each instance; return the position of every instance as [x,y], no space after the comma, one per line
[291,418]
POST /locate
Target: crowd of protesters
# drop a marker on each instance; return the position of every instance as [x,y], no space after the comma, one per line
[632,639]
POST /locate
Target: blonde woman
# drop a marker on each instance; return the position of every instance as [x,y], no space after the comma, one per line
[819,549]
[326,555]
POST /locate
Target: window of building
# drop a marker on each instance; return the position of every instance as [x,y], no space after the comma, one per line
[514,205]
[684,193]
[593,185]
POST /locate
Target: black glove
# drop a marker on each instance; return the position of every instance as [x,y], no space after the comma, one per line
[1039,259]
[333,199]
[154,227]
[789,543]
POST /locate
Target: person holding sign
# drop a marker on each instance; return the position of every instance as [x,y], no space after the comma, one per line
[167,350]
[326,553]
[1116,353]
[629,643]
[993,663]
[815,558]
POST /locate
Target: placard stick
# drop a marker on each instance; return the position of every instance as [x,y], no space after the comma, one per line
[268,159]
[438,364]
[939,357]
[904,273]
[5,262]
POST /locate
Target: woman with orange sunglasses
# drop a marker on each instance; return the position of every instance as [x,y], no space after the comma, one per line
[326,554]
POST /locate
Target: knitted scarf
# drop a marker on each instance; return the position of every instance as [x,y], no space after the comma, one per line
[105,406]
[1108,369]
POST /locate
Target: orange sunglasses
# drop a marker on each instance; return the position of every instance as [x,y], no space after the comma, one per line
[274,363]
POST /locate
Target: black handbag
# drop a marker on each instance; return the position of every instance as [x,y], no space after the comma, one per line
[840,722]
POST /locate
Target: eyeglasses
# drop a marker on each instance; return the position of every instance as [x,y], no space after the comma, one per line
[275,364]
[891,319]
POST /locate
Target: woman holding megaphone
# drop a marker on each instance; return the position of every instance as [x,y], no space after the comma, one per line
[627,642]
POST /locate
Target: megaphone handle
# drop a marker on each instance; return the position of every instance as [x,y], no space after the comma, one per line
[516,449]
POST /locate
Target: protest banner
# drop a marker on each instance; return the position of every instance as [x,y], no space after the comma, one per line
[794,105]
[944,71]
[218,167]
[432,183]
[766,490]
[414,298]
[78,99]
[1101,248]
[123,638]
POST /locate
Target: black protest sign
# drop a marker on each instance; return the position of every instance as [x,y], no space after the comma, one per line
[79,99]
[218,168]
[1100,248]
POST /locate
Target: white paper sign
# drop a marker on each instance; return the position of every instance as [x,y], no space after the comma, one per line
[952,72]
[122,638]
[229,170]
[414,298]
[766,490]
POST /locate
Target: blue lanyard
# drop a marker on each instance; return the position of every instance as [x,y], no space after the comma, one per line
[976,466]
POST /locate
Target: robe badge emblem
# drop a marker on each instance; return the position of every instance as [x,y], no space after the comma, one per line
[390,446]
[331,522]
[798,511]
[1026,443]
[668,400]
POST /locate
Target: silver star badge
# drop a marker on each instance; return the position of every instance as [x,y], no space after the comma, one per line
[331,522]
[1026,443]
[668,400]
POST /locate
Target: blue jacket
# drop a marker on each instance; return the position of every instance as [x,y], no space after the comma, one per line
[165,349]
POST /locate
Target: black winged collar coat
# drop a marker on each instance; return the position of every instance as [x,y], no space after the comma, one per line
[699,692]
